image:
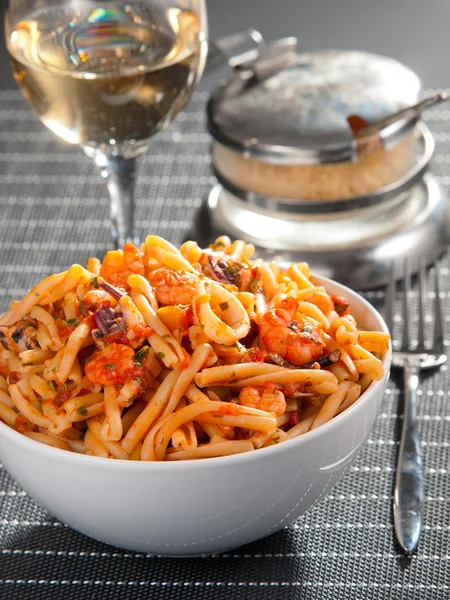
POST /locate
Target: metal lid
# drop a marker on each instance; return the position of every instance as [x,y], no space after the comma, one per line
[299,115]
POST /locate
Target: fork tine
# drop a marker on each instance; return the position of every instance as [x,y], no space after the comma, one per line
[422,300]
[438,334]
[390,299]
[406,294]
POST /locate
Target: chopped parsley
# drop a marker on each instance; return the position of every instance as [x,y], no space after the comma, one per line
[230,269]
[341,309]
[110,366]
[82,410]
[224,306]
[72,322]
[166,335]
[28,364]
[161,355]
[139,356]
[94,283]
[52,386]
[255,285]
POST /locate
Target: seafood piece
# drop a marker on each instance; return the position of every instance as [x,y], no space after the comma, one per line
[173,287]
[291,335]
[19,337]
[231,273]
[118,265]
[115,364]
[321,299]
[233,323]
[269,400]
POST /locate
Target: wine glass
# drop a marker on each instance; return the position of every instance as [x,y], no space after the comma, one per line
[108,76]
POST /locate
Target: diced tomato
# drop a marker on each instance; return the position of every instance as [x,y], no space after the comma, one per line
[65,330]
[21,424]
[255,355]
[291,388]
[13,377]
[341,305]
[61,396]
[294,418]
[118,337]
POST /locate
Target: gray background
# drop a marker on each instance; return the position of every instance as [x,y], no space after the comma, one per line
[416,32]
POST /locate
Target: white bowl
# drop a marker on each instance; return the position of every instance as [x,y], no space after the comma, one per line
[204,506]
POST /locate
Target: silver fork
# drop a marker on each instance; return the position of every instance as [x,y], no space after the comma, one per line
[408,487]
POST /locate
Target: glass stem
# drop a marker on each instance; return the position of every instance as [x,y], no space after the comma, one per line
[119,174]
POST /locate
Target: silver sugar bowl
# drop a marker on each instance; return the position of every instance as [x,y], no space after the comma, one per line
[304,174]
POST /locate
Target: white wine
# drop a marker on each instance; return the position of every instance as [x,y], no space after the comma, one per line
[108,75]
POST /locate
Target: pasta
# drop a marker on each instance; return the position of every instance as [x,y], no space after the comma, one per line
[173,354]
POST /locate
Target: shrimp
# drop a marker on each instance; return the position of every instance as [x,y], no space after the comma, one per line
[291,335]
[268,400]
[118,265]
[173,287]
[322,300]
[113,365]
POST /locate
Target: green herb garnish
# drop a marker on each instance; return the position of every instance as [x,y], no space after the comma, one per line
[110,366]
[231,269]
[161,355]
[139,356]
[28,364]
[72,322]
[94,283]
[52,386]
[341,309]
[224,306]
[255,285]
[82,410]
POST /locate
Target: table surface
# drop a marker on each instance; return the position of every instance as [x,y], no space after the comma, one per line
[53,212]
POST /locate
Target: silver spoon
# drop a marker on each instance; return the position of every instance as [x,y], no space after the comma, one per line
[361,129]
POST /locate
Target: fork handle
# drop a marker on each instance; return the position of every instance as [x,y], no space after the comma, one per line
[409,488]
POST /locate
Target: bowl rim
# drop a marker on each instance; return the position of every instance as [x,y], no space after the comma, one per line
[31,445]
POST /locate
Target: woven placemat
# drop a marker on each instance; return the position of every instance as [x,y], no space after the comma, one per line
[54,212]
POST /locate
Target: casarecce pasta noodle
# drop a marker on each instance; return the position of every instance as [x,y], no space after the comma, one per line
[162,353]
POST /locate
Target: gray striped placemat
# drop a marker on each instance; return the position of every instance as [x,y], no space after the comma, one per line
[54,212]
